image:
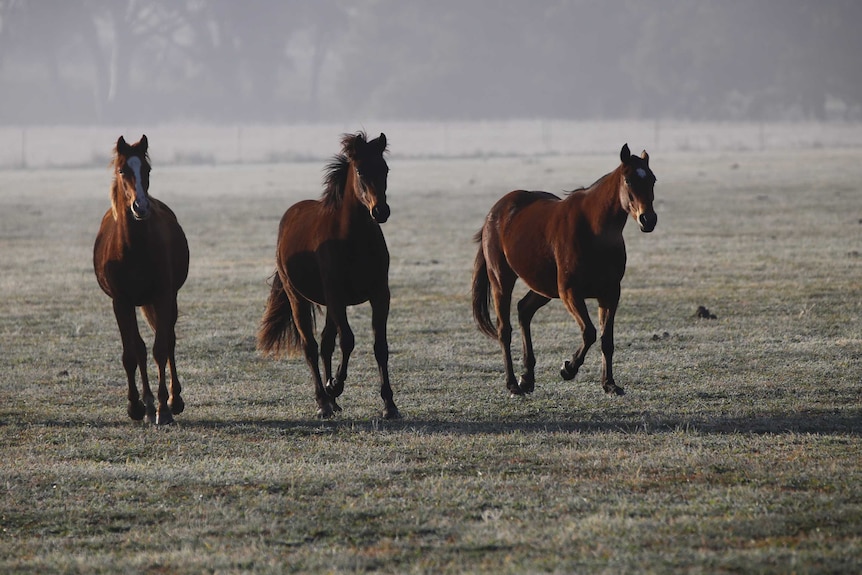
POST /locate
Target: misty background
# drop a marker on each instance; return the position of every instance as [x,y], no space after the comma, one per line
[85,62]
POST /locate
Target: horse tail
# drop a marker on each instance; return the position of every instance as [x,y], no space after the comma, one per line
[482,292]
[278,331]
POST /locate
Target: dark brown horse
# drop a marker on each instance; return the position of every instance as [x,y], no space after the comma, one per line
[569,248]
[332,253]
[141,259]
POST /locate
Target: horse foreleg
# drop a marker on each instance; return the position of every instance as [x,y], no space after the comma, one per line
[527,308]
[327,345]
[337,314]
[134,359]
[379,317]
[577,307]
[606,322]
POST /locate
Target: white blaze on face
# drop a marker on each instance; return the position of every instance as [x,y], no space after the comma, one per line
[641,173]
[141,199]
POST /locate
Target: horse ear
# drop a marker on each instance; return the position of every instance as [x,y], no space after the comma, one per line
[381,142]
[122,146]
[625,154]
[645,157]
[143,144]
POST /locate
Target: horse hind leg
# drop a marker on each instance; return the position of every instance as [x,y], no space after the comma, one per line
[303,319]
[527,308]
[501,293]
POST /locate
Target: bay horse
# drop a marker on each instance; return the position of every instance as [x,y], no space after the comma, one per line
[331,252]
[571,249]
[141,259]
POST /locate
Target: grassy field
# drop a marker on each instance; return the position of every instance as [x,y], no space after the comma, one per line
[737,448]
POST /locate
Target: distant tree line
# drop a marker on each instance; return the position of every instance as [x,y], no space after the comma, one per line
[105,61]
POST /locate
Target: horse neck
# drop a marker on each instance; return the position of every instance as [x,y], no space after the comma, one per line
[602,203]
[352,212]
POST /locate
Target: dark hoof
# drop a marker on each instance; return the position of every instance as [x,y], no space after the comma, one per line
[391,412]
[612,389]
[568,372]
[515,391]
[527,383]
[164,417]
[136,410]
[334,388]
[177,405]
[328,409]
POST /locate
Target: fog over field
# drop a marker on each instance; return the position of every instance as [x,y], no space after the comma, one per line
[125,62]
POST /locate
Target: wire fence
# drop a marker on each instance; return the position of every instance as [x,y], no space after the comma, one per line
[38,147]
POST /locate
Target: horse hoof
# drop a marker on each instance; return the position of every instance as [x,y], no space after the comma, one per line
[324,412]
[164,417]
[567,372]
[333,388]
[177,405]
[335,407]
[136,410]
[613,389]
[391,413]
[526,384]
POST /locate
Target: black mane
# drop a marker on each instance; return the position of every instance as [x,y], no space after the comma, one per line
[335,181]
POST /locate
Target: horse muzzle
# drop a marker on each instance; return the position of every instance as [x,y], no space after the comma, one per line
[380,213]
[648,221]
[140,210]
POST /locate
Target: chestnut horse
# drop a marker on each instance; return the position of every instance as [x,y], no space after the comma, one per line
[332,253]
[141,259]
[569,248]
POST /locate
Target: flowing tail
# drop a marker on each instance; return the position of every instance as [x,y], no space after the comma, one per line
[278,332]
[482,292]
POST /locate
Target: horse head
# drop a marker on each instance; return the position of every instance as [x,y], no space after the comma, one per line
[132,179]
[636,188]
[370,170]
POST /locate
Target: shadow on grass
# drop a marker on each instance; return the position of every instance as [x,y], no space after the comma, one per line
[813,421]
